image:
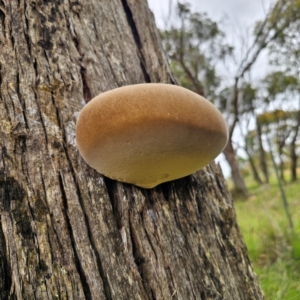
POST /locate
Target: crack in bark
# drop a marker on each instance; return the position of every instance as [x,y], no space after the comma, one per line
[153,295]
[165,189]
[5,271]
[0,80]
[2,14]
[56,111]
[106,287]
[112,194]
[7,111]
[12,38]
[87,95]
[21,99]
[101,271]
[137,39]
[85,286]
[138,260]
[26,35]
[35,67]
[41,117]
[149,240]
[51,231]
[85,87]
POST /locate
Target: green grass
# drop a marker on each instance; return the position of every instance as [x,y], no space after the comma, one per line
[273,248]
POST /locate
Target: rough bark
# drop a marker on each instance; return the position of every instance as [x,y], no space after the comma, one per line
[239,183]
[66,231]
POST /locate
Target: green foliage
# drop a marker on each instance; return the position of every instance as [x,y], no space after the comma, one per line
[271,117]
[249,92]
[284,11]
[193,45]
[273,249]
[223,97]
[248,96]
[279,83]
[285,48]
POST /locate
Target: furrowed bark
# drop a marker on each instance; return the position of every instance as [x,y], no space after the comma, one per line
[66,231]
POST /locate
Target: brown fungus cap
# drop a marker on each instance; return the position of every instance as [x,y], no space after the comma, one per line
[146,134]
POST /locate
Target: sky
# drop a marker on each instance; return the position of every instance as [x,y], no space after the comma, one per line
[237,19]
[238,11]
[244,12]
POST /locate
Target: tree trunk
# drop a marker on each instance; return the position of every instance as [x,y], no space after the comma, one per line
[281,163]
[238,181]
[255,173]
[293,148]
[66,231]
[294,161]
[263,157]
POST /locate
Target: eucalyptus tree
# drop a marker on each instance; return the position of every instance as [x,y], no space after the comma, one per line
[285,48]
[266,32]
[284,54]
[282,91]
[251,148]
[277,126]
[249,140]
[194,45]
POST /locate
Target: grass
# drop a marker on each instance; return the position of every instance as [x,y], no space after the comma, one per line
[273,248]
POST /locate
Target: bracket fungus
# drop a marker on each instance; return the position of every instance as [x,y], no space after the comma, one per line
[147,134]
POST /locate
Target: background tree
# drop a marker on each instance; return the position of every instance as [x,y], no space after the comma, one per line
[197,41]
[248,138]
[194,45]
[281,127]
[66,231]
[294,146]
[251,150]
[284,53]
[265,33]
[281,89]
[262,152]
[284,49]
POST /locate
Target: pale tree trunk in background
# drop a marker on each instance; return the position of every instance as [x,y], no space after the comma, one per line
[255,173]
[262,157]
[238,181]
[281,164]
[67,232]
[294,160]
[293,148]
